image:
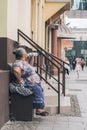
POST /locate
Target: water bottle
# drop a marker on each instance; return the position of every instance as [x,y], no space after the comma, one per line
[33,54]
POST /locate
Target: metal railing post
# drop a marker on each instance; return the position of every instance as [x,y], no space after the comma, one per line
[46,69]
[63,81]
[58,91]
[37,63]
[18,36]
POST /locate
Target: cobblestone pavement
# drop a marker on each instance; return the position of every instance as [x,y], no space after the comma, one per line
[74,87]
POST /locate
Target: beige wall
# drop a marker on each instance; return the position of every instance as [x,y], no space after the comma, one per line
[12,19]
[24,19]
[3,18]
[24,16]
[34,20]
[15,14]
[37,22]
[40,25]
[29,16]
[52,8]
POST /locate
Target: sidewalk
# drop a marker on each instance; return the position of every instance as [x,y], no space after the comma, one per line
[74,87]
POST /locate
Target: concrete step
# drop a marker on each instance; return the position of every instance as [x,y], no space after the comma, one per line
[51,99]
[51,103]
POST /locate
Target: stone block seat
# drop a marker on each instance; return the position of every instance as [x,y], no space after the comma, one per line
[21,107]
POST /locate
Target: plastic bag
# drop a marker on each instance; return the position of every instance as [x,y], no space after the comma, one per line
[19,88]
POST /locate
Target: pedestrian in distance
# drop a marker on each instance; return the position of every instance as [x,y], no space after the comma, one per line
[78,67]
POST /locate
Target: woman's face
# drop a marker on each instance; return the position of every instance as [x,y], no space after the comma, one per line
[24,56]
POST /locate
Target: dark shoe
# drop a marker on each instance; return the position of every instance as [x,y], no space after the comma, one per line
[44,113]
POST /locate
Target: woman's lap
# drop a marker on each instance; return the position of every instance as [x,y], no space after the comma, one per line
[38,97]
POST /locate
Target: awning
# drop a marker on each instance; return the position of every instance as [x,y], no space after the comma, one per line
[64,32]
[52,10]
[66,44]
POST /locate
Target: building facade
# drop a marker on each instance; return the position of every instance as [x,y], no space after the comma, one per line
[33,17]
[36,18]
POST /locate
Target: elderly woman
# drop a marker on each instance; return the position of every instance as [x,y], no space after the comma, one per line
[26,75]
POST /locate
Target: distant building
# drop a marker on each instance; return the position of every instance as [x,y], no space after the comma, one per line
[78,11]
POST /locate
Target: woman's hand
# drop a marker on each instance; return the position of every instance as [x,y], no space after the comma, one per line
[31,80]
[22,81]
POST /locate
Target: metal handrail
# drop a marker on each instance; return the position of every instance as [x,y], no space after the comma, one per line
[56,58]
[48,58]
[63,71]
[44,54]
[20,32]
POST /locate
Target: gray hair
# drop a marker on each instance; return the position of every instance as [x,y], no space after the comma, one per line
[19,52]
